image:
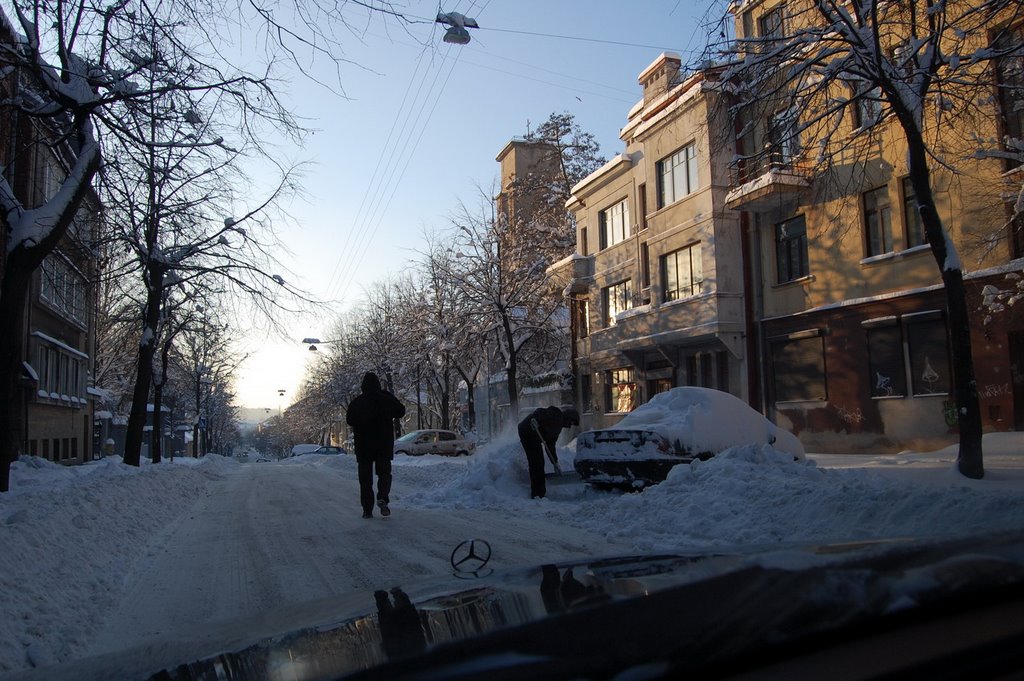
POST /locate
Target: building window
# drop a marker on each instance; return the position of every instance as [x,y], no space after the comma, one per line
[614,223]
[620,390]
[1010,86]
[877,221]
[682,273]
[929,355]
[867,108]
[583,241]
[60,374]
[912,224]
[677,175]
[587,393]
[641,198]
[885,360]
[798,368]
[659,385]
[581,308]
[645,266]
[770,25]
[1017,235]
[63,288]
[691,370]
[791,249]
[615,299]
[784,137]
[722,365]
[706,369]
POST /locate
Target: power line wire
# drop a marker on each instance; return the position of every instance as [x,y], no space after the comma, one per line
[559,37]
[384,183]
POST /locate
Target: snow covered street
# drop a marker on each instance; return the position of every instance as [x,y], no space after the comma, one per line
[102,557]
[281,533]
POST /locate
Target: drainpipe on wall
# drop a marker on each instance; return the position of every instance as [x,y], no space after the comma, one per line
[753,295]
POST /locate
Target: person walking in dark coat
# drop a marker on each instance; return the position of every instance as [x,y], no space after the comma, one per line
[371,415]
[539,431]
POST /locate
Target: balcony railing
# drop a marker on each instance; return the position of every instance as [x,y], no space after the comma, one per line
[758,183]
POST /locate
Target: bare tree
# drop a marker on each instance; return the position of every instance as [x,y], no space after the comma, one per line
[502,275]
[77,67]
[921,70]
[167,187]
[567,154]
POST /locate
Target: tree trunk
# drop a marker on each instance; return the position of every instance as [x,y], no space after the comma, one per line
[511,372]
[969,460]
[155,436]
[446,394]
[157,439]
[143,373]
[471,405]
[195,424]
[13,294]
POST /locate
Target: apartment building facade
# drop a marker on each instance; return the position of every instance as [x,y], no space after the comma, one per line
[59,315]
[806,288]
[852,327]
[657,282]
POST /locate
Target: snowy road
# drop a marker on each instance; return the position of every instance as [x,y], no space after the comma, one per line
[274,534]
[152,555]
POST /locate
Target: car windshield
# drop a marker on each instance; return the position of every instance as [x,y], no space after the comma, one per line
[704,304]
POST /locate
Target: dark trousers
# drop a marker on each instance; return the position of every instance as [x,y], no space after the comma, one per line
[532,445]
[366,467]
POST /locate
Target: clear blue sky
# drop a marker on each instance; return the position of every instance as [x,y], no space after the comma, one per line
[421,126]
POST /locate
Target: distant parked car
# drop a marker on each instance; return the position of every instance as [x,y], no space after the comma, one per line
[329,449]
[674,427]
[303,449]
[444,442]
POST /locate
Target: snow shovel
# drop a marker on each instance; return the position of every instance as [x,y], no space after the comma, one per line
[558,476]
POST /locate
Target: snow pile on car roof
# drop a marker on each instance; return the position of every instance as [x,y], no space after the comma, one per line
[708,420]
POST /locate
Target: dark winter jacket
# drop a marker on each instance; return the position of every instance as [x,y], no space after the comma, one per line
[372,416]
[549,421]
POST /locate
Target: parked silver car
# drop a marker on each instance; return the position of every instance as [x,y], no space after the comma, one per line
[444,442]
[329,449]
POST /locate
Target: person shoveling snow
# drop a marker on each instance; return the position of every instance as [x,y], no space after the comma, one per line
[538,433]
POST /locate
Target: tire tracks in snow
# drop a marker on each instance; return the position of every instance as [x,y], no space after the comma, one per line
[270,535]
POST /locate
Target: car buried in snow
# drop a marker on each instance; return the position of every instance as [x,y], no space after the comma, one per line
[678,426]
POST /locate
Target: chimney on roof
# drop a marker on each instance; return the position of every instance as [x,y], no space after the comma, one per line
[660,76]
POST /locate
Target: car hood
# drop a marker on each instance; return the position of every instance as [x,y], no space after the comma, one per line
[703,613]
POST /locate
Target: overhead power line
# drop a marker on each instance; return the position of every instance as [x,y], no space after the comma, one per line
[580,38]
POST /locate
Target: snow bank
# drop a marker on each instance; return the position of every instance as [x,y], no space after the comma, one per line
[70,535]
